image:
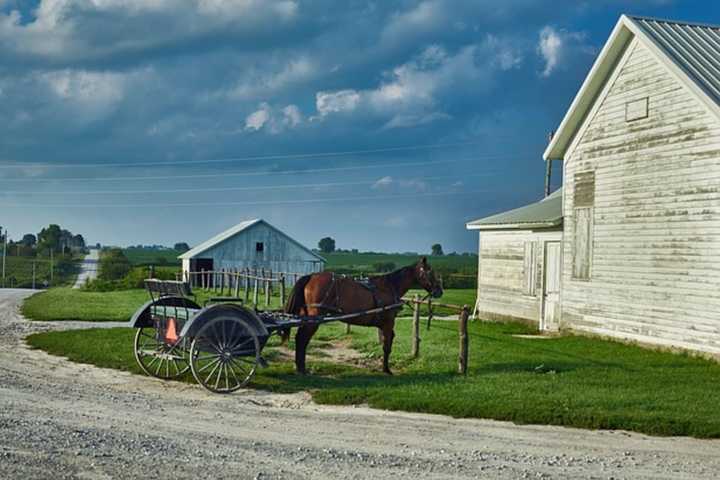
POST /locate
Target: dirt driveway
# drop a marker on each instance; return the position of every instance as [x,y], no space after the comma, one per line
[64,420]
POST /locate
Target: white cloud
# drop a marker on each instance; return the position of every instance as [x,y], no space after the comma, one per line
[292,116]
[258,83]
[554,47]
[273,120]
[258,119]
[414,184]
[340,101]
[383,183]
[411,93]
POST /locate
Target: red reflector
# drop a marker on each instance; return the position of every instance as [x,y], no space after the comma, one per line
[171,335]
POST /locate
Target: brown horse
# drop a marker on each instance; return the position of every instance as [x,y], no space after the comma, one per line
[326,293]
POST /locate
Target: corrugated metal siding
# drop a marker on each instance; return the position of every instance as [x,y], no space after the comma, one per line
[655,274]
[696,48]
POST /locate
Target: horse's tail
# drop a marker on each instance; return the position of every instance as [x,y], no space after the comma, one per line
[296,300]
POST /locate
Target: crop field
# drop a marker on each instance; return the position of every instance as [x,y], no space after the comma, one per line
[365,262]
[19,271]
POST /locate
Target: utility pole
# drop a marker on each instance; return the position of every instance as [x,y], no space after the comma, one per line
[4,255]
[33,283]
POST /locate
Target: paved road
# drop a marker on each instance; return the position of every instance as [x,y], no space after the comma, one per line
[88,268]
[59,419]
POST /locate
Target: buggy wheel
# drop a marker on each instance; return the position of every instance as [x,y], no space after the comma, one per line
[225,354]
[158,359]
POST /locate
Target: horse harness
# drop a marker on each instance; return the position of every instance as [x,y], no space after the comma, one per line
[334,290]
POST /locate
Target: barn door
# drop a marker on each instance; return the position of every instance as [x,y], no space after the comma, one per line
[551,287]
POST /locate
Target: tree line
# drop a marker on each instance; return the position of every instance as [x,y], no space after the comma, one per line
[51,239]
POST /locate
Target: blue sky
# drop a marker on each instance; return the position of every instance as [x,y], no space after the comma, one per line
[385,124]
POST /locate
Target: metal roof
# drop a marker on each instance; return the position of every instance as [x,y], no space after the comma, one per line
[231,232]
[690,51]
[543,214]
[695,47]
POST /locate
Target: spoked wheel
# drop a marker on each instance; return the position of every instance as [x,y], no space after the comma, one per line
[158,359]
[225,354]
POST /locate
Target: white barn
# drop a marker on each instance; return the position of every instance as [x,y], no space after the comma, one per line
[640,147]
[254,244]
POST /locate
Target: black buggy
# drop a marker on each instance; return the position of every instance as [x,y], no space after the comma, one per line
[220,343]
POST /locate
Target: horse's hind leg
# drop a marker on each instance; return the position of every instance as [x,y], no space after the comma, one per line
[302,338]
[388,334]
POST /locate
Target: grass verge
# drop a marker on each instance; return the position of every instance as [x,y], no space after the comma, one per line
[570,381]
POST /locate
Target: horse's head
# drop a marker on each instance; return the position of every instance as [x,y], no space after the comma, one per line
[425,276]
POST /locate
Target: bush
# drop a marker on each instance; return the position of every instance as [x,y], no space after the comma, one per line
[114,265]
[135,278]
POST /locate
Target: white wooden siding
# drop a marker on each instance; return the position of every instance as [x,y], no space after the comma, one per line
[508,262]
[655,273]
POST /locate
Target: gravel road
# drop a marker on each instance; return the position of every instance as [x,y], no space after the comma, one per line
[88,268]
[63,420]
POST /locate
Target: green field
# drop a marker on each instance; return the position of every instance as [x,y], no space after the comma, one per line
[572,381]
[19,271]
[147,256]
[363,262]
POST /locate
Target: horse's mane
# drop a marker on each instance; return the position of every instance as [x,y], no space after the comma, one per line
[395,277]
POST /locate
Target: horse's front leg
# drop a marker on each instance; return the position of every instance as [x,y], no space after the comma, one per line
[388,334]
[302,338]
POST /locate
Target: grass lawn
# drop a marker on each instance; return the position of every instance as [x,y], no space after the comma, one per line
[71,304]
[571,381]
[115,306]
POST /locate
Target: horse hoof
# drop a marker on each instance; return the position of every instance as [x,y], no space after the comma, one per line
[302,373]
[387,372]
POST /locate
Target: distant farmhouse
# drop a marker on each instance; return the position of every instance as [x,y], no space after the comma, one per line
[630,247]
[254,244]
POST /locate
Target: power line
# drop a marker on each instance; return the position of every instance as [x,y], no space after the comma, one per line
[292,156]
[233,204]
[231,189]
[253,173]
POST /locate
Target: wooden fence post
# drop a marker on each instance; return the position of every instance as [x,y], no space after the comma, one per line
[267,292]
[255,292]
[202,278]
[430,313]
[462,327]
[222,281]
[270,286]
[282,289]
[237,284]
[247,284]
[416,327]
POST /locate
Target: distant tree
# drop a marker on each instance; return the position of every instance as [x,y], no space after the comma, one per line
[181,247]
[327,245]
[354,251]
[49,238]
[29,240]
[437,249]
[78,241]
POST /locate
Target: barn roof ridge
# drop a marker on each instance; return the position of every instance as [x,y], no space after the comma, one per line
[690,51]
[235,230]
[545,213]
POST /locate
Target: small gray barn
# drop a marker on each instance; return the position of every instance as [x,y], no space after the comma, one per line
[253,244]
[640,146]
[519,263]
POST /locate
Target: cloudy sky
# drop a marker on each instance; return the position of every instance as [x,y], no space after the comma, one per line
[385,124]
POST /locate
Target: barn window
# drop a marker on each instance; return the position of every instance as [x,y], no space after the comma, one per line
[259,247]
[530,268]
[582,254]
[636,110]
[583,232]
